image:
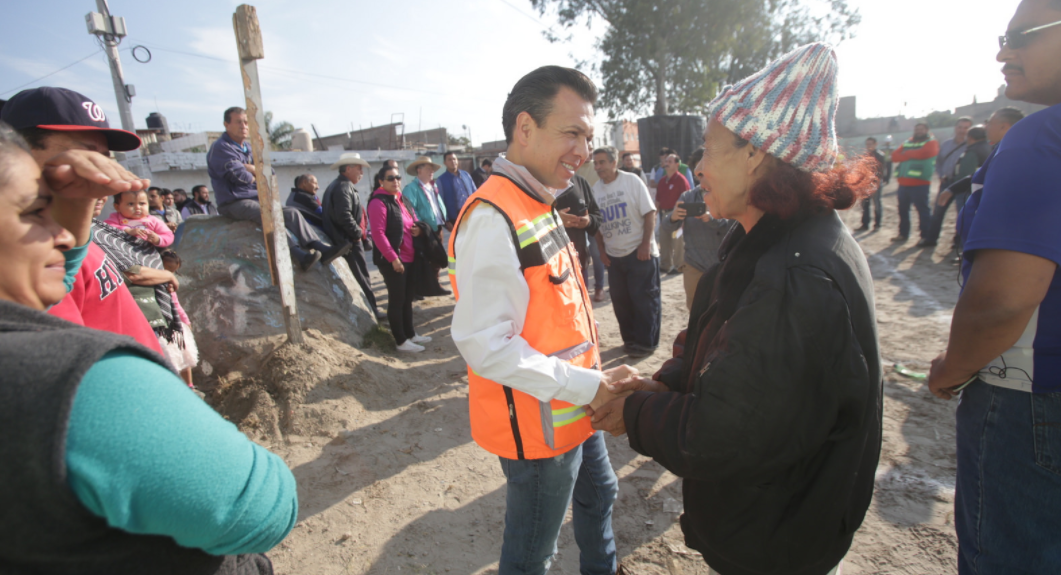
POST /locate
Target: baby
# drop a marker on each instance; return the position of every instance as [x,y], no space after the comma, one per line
[133,214]
[188,357]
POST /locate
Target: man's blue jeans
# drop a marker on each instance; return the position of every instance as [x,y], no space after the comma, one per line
[873,203]
[1007,505]
[918,196]
[636,299]
[538,493]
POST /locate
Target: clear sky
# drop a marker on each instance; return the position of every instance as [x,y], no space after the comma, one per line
[337,63]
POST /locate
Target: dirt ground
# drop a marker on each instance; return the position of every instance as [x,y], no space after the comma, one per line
[390,481]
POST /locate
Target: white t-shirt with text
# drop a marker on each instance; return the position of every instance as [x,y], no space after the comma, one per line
[623,205]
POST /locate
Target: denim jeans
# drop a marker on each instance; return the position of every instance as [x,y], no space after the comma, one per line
[636,299]
[939,212]
[918,196]
[537,496]
[1008,488]
[873,204]
[598,267]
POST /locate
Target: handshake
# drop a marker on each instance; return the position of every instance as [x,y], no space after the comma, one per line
[606,409]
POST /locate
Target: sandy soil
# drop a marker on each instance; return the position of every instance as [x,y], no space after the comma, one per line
[390,481]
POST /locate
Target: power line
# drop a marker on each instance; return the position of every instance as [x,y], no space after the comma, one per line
[524,14]
[50,74]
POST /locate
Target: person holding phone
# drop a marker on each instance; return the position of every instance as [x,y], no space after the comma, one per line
[582,219]
[703,234]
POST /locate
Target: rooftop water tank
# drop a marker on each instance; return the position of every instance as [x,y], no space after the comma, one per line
[156,121]
[301,141]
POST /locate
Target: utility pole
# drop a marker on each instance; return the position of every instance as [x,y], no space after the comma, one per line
[110,30]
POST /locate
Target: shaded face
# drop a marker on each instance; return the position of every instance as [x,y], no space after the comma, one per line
[871,146]
[725,172]
[59,142]
[489,168]
[628,161]
[31,242]
[452,162]
[180,197]
[604,166]
[171,265]
[1033,72]
[424,172]
[154,199]
[354,172]
[202,195]
[167,200]
[132,205]
[961,130]
[920,131]
[237,127]
[670,164]
[996,129]
[559,147]
[309,185]
[392,181]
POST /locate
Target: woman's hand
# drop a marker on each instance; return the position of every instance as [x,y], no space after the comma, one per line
[397,265]
[415,231]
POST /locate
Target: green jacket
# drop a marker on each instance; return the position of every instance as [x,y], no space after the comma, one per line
[417,198]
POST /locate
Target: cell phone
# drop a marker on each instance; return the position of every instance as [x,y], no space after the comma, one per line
[695,210]
[580,210]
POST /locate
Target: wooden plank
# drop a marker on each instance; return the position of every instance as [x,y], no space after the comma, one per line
[249,43]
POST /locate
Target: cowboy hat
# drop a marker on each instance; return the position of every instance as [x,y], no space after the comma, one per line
[411,168]
[352,158]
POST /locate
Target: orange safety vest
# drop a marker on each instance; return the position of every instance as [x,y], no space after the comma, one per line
[559,323]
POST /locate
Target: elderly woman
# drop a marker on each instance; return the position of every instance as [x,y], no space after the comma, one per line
[393,230]
[112,464]
[770,410]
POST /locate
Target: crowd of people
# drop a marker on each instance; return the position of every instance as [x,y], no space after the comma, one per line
[770,408]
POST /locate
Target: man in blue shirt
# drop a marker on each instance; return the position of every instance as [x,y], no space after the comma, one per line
[456,185]
[1005,339]
[231,170]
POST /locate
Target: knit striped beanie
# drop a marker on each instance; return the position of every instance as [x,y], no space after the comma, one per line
[787,109]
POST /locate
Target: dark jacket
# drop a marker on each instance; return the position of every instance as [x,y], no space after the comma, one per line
[194,208]
[479,175]
[44,528]
[309,206]
[344,217]
[395,229]
[777,430]
[228,176]
[972,158]
[578,197]
[882,166]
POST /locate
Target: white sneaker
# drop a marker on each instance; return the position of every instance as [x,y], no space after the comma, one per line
[420,338]
[409,346]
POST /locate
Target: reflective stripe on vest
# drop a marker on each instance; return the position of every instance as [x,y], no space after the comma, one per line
[559,323]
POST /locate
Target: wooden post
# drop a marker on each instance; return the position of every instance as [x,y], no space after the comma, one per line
[249,44]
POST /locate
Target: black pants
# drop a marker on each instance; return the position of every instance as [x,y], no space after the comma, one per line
[356,259]
[251,211]
[399,301]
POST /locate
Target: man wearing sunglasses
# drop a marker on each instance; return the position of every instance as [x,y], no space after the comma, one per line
[1005,340]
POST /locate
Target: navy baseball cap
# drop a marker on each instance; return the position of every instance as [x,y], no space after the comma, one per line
[64,110]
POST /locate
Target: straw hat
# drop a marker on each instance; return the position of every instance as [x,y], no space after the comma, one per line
[411,168]
[348,159]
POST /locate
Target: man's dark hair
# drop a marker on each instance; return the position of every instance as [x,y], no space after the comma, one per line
[627,155]
[1009,114]
[448,154]
[487,162]
[166,192]
[534,94]
[921,124]
[665,151]
[301,179]
[154,188]
[694,159]
[609,151]
[233,110]
[36,138]
[197,188]
[171,256]
[871,139]
[977,133]
[964,119]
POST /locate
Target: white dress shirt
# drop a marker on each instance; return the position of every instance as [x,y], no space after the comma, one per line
[491,312]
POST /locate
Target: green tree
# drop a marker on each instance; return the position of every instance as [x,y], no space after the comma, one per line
[674,55]
[941,119]
[459,141]
[279,134]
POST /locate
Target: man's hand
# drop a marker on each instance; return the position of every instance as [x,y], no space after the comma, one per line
[152,277]
[572,221]
[449,226]
[944,197]
[638,383]
[250,170]
[80,174]
[644,252]
[942,381]
[397,265]
[678,213]
[172,226]
[610,417]
[605,391]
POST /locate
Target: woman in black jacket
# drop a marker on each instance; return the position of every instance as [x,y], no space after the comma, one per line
[770,409]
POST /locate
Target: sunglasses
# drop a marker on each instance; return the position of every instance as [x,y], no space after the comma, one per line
[1018,40]
[393,178]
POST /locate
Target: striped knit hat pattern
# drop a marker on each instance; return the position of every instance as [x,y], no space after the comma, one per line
[787,109]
